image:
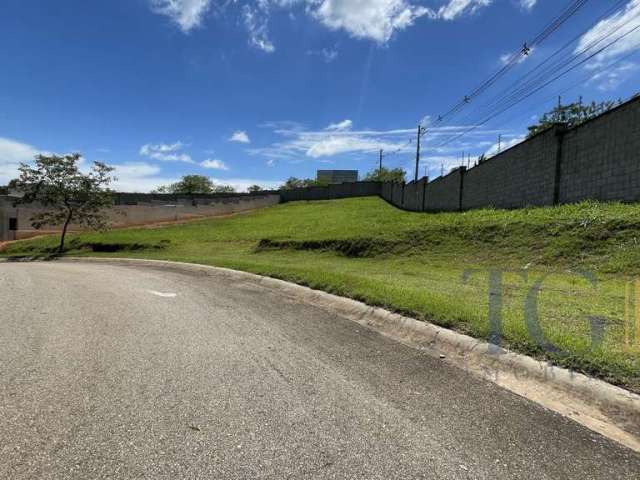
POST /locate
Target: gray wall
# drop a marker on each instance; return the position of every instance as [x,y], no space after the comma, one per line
[397,194]
[601,158]
[342,190]
[523,175]
[443,194]
[597,160]
[6,211]
[414,195]
[136,211]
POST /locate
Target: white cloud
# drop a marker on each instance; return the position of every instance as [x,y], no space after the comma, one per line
[613,77]
[166,152]
[375,20]
[327,54]
[509,57]
[242,184]
[437,165]
[300,143]
[528,4]
[341,126]
[457,8]
[138,177]
[256,22]
[214,164]
[505,144]
[136,170]
[240,136]
[187,14]
[619,23]
[331,146]
[12,153]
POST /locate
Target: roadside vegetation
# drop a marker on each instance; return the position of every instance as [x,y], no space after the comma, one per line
[195,184]
[415,264]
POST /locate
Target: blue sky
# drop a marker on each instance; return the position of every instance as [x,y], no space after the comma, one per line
[258,91]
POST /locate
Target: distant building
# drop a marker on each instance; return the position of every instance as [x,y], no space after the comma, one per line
[337,176]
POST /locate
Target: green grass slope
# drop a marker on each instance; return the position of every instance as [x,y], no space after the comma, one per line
[435,267]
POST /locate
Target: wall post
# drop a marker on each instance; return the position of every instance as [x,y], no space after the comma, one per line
[424,194]
[463,170]
[560,130]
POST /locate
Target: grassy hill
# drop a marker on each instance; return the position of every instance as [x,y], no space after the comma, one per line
[415,264]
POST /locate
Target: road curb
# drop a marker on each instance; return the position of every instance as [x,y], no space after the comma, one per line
[609,410]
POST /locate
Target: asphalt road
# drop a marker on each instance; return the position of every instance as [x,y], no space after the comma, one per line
[122,372]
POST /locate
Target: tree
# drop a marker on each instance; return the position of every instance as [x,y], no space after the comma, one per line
[189,185]
[67,195]
[294,182]
[291,183]
[571,115]
[223,189]
[193,185]
[386,175]
[4,190]
[255,189]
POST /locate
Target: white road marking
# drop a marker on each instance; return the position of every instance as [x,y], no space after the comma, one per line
[165,295]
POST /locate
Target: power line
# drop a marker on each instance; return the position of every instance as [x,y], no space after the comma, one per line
[560,64]
[496,99]
[515,102]
[516,56]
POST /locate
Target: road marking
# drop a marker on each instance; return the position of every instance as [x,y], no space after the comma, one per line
[165,295]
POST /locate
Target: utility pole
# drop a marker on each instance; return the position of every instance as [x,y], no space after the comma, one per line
[380,168]
[421,131]
[499,143]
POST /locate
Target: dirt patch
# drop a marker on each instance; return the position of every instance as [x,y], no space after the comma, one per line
[120,247]
[355,248]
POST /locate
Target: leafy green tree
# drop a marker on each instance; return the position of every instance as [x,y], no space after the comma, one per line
[386,175]
[193,185]
[66,194]
[571,115]
[189,185]
[255,189]
[294,182]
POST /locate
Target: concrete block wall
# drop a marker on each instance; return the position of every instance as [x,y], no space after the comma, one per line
[142,213]
[443,194]
[518,177]
[414,193]
[7,211]
[182,199]
[387,191]
[601,158]
[397,194]
[342,190]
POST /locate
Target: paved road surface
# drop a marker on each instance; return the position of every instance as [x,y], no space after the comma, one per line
[122,372]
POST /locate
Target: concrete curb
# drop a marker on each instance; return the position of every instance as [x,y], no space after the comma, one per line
[609,410]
